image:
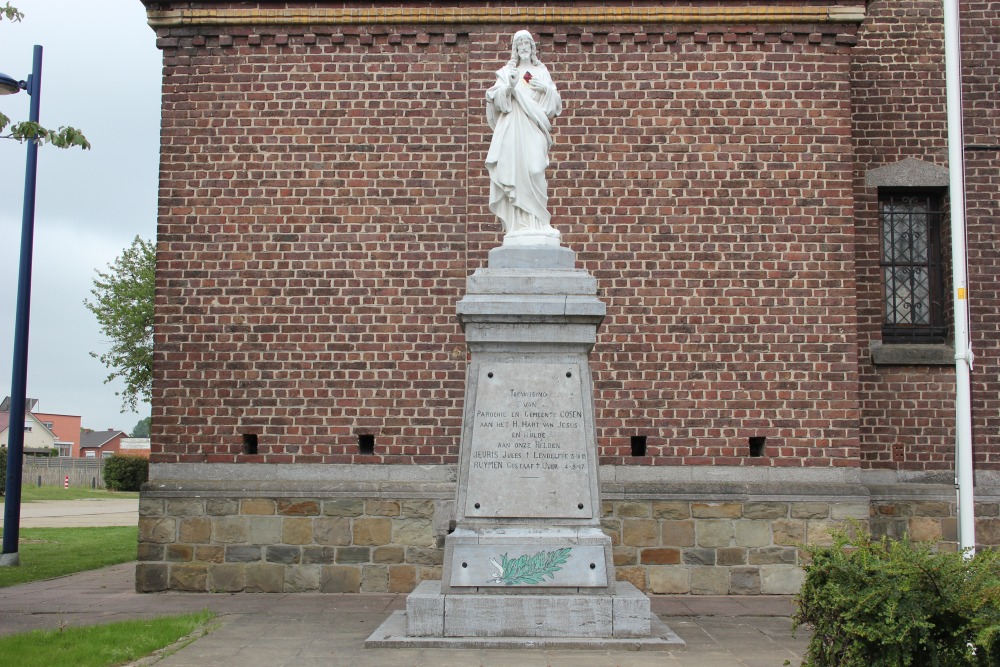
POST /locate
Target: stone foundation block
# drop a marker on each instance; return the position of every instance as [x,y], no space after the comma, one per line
[265,578]
[152,577]
[340,579]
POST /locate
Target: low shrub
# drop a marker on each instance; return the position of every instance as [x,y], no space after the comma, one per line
[125,473]
[3,471]
[874,603]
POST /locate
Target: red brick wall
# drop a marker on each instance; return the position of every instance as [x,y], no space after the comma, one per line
[323,198]
[900,112]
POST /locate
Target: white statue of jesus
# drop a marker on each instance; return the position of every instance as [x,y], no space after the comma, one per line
[520,108]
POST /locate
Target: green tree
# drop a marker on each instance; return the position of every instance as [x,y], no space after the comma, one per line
[123,305]
[64,137]
[141,429]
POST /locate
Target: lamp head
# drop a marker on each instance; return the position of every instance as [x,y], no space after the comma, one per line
[10,85]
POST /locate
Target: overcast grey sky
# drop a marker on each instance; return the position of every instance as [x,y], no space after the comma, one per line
[101,74]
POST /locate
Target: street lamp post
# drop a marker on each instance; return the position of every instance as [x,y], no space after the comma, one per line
[19,376]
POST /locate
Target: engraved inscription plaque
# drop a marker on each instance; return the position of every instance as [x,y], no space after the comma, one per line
[528,454]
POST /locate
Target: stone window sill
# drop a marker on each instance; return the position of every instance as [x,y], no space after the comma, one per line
[910,354]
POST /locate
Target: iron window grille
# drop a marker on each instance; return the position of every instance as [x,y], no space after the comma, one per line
[912,285]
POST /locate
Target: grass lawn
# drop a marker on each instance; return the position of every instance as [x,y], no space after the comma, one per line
[54,552]
[100,645]
[30,494]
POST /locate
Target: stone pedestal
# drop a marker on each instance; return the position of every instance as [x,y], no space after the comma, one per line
[528,559]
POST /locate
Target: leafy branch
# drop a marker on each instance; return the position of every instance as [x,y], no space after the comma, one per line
[533,569]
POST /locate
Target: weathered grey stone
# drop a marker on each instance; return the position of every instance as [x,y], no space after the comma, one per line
[625,555]
[340,579]
[229,530]
[151,577]
[908,173]
[380,507]
[810,510]
[781,579]
[821,532]
[264,529]
[242,554]
[709,580]
[789,532]
[210,553]
[632,510]
[151,506]
[374,578]
[774,556]
[417,509]
[302,579]
[744,581]
[931,508]
[420,556]
[389,555]
[677,533]
[925,529]
[841,511]
[318,555]
[344,507]
[189,577]
[726,556]
[226,578]
[698,556]
[714,533]
[765,510]
[179,553]
[669,579]
[161,530]
[287,555]
[265,578]
[332,531]
[222,506]
[752,533]
[185,506]
[672,510]
[150,551]
[353,555]
[416,532]
[716,510]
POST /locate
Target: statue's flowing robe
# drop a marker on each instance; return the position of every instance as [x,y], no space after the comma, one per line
[519,151]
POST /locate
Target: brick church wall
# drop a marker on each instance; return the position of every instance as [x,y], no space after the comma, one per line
[323,199]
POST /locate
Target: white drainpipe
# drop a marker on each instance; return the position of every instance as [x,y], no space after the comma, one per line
[964,477]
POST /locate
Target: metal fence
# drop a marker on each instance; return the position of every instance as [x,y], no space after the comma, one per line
[53,470]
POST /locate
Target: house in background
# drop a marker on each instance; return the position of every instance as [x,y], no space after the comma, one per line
[37,437]
[65,429]
[101,444]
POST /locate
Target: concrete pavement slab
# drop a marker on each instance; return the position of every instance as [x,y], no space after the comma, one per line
[303,629]
[79,513]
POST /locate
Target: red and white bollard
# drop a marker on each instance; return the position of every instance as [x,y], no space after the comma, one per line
[66,483]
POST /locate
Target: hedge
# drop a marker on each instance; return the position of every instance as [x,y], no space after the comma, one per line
[125,473]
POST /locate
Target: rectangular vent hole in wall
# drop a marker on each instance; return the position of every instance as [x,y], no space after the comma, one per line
[249,443]
[638,445]
[898,453]
[757,445]
[366,443]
